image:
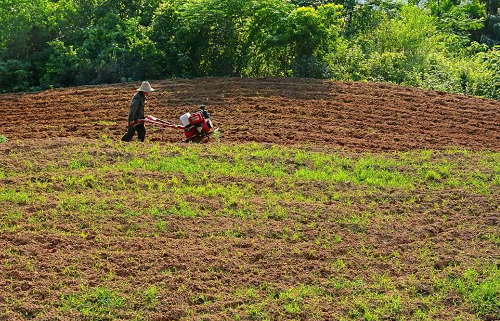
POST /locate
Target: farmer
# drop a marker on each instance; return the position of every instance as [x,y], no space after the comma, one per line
[136,112]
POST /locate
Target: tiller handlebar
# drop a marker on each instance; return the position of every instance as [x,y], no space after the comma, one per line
[156,121]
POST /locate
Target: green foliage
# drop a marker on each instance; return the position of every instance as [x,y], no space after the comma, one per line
[481,290]
[401,45]
[463,18]
[409,33]
[62,66]
[267,38]
[492,60]
[208,36]
[15,75]
[444,45]
[15,25]
[97,304]
[150,296]
[313,33]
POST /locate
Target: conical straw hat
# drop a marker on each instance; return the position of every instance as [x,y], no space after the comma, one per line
[146,87]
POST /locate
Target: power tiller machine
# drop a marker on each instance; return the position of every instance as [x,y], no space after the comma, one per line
[197,127]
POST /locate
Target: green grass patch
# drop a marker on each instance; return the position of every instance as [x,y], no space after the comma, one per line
[105,123]
[481,289]
[205,231]
[101,303]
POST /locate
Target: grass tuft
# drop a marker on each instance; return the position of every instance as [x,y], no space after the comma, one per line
[100,303]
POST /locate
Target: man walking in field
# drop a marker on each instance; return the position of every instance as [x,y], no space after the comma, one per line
[136,112]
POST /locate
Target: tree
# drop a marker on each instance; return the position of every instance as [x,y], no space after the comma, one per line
[268,50]
[313,33]
[208,37]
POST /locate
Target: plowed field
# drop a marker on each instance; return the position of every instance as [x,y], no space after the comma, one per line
[300,212]
[357,116]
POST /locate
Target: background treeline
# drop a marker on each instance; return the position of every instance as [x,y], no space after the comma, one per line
[449,45]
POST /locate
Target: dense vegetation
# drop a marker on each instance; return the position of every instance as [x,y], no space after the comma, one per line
[449,45]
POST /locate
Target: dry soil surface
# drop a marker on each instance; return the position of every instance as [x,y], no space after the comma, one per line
[354,115]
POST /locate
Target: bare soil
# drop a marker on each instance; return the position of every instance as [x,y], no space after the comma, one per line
[354,115]
[372,244]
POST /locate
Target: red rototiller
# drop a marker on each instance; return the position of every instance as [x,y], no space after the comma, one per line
[197,127]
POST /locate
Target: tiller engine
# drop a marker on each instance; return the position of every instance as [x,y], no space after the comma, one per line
[197,127]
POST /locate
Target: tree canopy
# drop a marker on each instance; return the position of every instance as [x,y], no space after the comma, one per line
[450,45]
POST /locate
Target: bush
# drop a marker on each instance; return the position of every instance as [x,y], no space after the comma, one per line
[15,75]
[471,76]
[62,67]
[67,43]
[348,62]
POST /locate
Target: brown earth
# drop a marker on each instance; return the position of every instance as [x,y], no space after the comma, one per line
[354,115]
[343,249]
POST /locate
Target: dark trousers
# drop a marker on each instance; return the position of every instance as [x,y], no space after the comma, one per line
[141,133]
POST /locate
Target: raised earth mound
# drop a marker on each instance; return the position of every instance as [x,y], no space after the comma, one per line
[354,115]
[318,225]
